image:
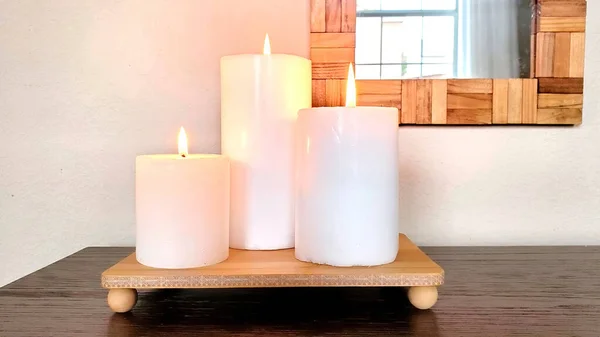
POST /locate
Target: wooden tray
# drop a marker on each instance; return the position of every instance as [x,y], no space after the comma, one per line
[278,268]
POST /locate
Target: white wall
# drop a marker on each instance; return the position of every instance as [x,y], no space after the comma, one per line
[86,85]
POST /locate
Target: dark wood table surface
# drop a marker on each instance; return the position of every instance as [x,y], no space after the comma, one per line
[509,291]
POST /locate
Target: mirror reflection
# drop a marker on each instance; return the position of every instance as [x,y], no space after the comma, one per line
[401,39]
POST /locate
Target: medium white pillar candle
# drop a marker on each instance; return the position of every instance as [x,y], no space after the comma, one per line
[260,99]
[182,209]
[347,196]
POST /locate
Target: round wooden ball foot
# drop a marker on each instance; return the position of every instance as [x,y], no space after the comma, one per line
[122,300]
[423,297]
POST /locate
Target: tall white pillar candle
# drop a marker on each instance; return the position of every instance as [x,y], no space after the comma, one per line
[347,195]
[260,99]
[182,209]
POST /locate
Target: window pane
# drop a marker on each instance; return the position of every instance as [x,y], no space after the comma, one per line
[390,72]
[367,72]
[368,40]
[438,38]
[440,4]
[415,4]
[437,59]
[401,39]
[362,5]
[437,70]
[401,4]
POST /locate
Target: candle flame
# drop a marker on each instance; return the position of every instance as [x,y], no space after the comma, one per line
[267,46]
[182,143]
[351,88]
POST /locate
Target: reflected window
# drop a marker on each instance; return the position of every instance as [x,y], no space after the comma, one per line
[406,39]
[398,39]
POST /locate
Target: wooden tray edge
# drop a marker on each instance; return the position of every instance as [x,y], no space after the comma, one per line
[371,279]
[271,281]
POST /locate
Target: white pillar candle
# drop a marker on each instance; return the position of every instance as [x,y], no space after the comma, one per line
[347,196]
[260,99]
[182,209]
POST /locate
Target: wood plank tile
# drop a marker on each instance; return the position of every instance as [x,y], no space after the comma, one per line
[424,102]
[332,40]
[384,100]
[562,55]
[335,91]
[562,8]
[559,116]
[544,55]
[561,24]
[349,16]
[319,93]
[469,116]
[563,101]
[560,85]
[317,16]
[333,16]
[534,17]
[379,87]
[515,100]
[439,101]
[470,101]
[577,55]
[470,86]
[332,55]
[530,98]
[500,101]
[326,71]
[409,102]
[532,55]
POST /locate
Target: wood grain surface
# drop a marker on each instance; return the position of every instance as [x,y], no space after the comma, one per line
[511,291]
[279,268]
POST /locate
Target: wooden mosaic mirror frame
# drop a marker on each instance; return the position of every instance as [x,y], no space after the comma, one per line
[552,96]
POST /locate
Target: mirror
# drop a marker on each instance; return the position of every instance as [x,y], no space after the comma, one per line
[402,39]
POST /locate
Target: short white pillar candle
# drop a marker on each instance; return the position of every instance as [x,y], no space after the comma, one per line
[347,184]
[182,209]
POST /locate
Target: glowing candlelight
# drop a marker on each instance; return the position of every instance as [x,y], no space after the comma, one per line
[182,143]
[267,46]
[350,88]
